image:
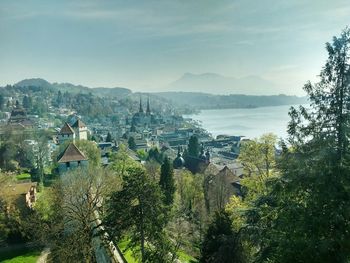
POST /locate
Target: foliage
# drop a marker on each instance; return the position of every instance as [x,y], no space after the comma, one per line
[141,153]
[166,181]
[137,211]
[258,156]
[193,146]
[91,151]
[109,137]
[132,143]
[121,161]
[155,155]
[221,243]
[307,209]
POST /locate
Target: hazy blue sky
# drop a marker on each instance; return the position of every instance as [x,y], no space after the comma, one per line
[145,45]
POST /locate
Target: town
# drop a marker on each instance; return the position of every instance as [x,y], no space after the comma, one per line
[174,131]
[40,146]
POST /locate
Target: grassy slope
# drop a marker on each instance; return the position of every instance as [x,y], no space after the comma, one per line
[23,255]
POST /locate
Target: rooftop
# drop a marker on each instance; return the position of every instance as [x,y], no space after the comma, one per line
[66,129]
[79,124]
[72,154]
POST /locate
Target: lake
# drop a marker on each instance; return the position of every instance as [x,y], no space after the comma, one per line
[250,123]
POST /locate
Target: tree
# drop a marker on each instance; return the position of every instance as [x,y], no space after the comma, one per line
[109,137]
[258,156]
[156,155]
[192,161]
[166,181]
[41,153]
[27,102]
[137,209]
[193,146]
[132,143]
[121,161]
[73,216]
[221,244]
[259,162]
[2,102]
[307,209]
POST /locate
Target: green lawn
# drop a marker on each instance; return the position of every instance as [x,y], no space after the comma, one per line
[183,256]
[23,176]
[128,253]
[23,255]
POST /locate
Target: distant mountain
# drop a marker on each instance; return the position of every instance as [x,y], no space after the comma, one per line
[218,84]
[209,101]
[63,87]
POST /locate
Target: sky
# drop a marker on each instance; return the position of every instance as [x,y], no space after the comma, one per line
[145,45]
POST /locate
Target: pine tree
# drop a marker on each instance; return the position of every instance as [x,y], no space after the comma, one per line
[193,146]
[2,102]
[221,243]
[307,209]
[132,143]
[109,137]
[166,181]
[137,211]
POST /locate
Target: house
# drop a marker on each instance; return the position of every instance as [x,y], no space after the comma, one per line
[19,119]
[72,157]
[66,133]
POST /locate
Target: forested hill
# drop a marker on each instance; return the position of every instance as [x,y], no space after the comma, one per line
[71,88]
[209,101]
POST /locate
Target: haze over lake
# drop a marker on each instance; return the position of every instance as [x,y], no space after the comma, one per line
[245,122]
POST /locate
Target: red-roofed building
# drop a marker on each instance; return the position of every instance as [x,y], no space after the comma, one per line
[71,157]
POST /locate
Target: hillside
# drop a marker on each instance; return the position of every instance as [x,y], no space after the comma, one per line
[71,88]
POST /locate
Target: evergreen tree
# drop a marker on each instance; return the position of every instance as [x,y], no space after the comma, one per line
[221,243]
[137,211]
[154,154]
[193,146]
[166,181]
[2,102]
[307,209]
[26,102]
[132,143]
[109,137]
[192,160]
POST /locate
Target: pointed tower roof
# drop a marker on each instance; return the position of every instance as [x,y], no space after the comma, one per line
[71,154]
[148,107]
[66,129]
[140,109]
[79,124]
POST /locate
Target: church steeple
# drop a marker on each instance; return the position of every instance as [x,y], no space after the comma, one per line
[148,111]
[140,109]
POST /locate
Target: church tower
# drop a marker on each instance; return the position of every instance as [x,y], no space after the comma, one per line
[148,111]
[140,109]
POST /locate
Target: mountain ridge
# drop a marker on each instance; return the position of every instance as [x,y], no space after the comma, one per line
[222,85]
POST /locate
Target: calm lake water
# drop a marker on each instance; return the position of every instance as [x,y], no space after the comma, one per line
[245,122]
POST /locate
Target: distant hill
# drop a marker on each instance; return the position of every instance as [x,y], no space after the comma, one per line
[218,84]
[36,82]
[209,101]
[63,87]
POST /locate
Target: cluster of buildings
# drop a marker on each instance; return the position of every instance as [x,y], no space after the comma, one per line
[72,156]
